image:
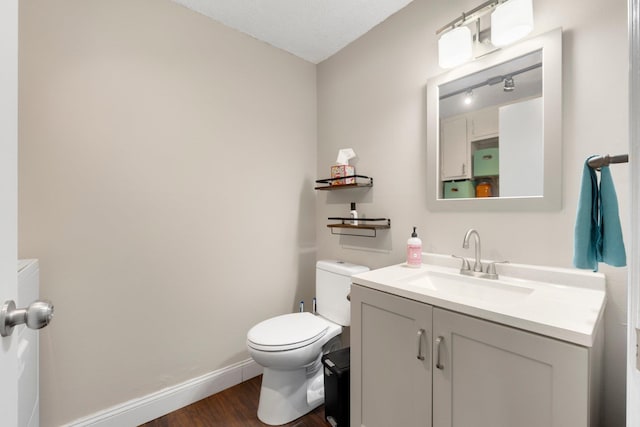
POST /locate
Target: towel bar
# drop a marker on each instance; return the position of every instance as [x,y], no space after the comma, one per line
[600,161]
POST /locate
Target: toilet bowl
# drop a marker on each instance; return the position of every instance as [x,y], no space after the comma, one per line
[292,378]
[289,347]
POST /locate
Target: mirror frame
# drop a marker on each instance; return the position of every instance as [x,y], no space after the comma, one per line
[551,199]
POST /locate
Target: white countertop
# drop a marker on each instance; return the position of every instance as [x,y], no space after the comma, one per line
[566,304]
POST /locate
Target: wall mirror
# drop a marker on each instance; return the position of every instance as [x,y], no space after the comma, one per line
[494,130]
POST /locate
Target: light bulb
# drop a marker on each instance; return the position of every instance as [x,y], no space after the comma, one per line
[511,21]
[468,98]
[454,47]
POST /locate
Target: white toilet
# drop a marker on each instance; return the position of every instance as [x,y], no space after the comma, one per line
[289,347]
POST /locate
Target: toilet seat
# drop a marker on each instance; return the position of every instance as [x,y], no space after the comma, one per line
[287,332]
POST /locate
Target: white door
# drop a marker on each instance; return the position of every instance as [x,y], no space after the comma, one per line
[8,202]
[521,149]
[633,295]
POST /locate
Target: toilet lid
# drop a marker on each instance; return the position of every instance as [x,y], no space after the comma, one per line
[287,332]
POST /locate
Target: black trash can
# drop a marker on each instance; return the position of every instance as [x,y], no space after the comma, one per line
[336,387]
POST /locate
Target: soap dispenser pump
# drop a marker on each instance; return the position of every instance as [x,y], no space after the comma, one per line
[414,250]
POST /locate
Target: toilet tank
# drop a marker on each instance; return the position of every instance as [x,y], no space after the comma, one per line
[333,284]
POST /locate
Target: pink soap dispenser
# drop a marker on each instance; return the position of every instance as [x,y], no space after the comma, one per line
[414,250]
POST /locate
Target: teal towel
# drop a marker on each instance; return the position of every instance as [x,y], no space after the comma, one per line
[611,246]
[586,231]
[597,233]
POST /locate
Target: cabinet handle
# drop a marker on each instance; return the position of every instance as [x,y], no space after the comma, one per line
[463,168]
[439,341]
[420,356]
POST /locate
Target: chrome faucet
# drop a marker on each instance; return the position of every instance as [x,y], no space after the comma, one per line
[477,271]
[477,266]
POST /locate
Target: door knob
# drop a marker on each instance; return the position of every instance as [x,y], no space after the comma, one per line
[36,316]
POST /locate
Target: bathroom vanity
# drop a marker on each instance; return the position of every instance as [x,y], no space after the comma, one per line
[430,347]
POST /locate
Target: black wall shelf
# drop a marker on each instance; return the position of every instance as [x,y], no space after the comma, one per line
[360,181]
[345,228]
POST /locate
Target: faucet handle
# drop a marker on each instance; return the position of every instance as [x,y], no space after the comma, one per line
[465,263]
[491,268]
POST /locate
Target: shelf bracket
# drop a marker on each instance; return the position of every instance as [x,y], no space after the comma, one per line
[356,235]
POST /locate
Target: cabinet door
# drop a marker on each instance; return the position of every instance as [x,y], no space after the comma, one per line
[491,375]
[454,149]
[483,124]
[390,360]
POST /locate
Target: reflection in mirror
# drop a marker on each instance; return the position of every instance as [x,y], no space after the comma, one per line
[491,131]
[494,130]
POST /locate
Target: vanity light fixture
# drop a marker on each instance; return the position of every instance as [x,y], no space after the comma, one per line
[454,47]
[511,20]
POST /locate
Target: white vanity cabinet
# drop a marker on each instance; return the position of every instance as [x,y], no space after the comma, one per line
[391,362]
[474,373]
[489,375]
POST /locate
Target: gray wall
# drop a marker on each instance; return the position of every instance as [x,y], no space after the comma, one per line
[371,97]
[166,170]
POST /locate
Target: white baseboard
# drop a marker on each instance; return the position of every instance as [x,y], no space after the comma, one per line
[141,410]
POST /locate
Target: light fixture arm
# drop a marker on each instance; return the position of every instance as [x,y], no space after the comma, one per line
[471,15]
[511,20]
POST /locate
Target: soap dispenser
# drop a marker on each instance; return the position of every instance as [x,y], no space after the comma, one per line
[353,214]
[414,250]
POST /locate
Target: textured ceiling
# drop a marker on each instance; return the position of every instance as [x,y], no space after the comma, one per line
[310,29]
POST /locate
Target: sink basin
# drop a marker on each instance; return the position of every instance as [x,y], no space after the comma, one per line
[566,304]
[467,287]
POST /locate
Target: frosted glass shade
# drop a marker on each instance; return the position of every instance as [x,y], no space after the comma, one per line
[454,47]
[511,21]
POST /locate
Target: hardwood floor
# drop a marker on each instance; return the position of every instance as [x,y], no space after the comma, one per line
[234,407]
